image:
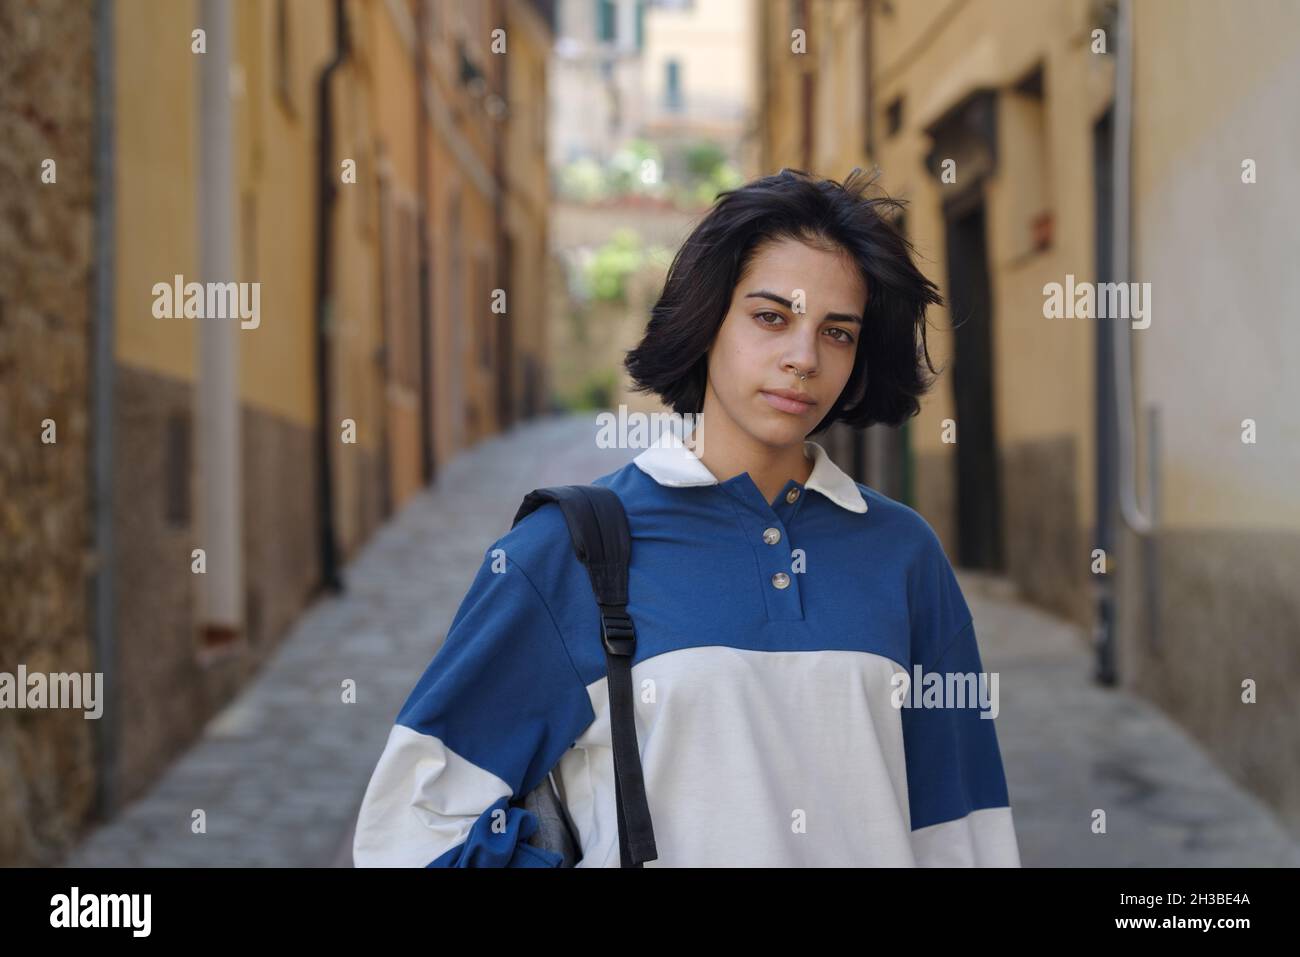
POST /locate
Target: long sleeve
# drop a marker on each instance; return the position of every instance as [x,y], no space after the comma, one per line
[960,810]
[494,711]
[957,790]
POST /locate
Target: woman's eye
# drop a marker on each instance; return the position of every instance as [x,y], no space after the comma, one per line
[775,315]
[844,335]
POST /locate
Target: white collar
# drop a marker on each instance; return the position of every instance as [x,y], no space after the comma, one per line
[669,462]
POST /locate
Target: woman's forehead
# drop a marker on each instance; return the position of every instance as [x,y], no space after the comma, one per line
[790,267]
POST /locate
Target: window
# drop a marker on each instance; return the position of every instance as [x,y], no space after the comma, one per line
[606,22]
[176,472]
[1024,112]
[484,314]
[406,328]
[894,116]
[672,86]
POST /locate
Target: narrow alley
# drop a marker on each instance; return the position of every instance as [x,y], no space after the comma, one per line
[280,773]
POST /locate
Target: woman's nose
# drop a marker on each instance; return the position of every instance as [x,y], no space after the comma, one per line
[801,354]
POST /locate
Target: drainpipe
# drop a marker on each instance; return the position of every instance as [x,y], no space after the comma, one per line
[217,400]
[1139,519]
[385,362]
[326,199]
[423,109]
[101,411]
[504,386]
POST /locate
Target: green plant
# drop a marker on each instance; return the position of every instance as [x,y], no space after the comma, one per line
[703,158]
[596,391]
[612,263]
[635,168]
[583,180]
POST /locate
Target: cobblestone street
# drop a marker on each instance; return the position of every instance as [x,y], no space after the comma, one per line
[1070,746]
[280,773]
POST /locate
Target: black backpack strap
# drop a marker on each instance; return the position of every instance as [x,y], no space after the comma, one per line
[599,531]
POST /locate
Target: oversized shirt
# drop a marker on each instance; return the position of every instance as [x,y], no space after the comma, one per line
[773,725]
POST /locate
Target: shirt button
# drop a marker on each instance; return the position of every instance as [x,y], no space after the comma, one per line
[771,535]
[791,495]
[781,580]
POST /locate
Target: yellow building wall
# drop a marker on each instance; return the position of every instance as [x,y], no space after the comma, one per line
[463,251]
[1043,369]
[157,170]
[393,106]
[528,188]
[274,158]
[155,238]
[933,53]
[278,138]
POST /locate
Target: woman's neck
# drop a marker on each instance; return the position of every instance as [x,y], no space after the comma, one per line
[726,454]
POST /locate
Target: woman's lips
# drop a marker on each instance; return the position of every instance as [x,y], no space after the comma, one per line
[793,406]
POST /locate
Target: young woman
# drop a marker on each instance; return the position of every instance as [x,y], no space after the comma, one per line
[782,609]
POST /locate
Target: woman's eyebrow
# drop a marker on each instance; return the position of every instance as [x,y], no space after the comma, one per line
[829,317]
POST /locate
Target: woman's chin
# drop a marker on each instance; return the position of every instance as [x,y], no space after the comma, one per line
[781,432]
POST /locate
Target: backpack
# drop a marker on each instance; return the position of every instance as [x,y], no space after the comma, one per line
[599,532]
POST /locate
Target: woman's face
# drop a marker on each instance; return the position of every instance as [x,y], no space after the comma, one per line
[795,307]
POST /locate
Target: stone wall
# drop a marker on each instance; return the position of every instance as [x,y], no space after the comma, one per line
[1226,610]
[170,683]
[1046,552]
[46,112]
[1045,549]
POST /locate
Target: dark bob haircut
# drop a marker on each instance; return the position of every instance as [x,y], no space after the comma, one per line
[888,377]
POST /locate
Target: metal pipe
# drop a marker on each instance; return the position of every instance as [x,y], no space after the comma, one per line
[103,290]
[326,198]
[1106,474]
[424,252]
[1115,398]
[217,399]
[504,263]
[1135,516]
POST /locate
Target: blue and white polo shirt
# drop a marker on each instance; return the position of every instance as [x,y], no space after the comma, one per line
[771,640]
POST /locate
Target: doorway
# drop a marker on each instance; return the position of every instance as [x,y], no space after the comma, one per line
[979,488]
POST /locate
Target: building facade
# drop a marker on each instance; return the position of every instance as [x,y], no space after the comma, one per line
[370,177]
[1045,147]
